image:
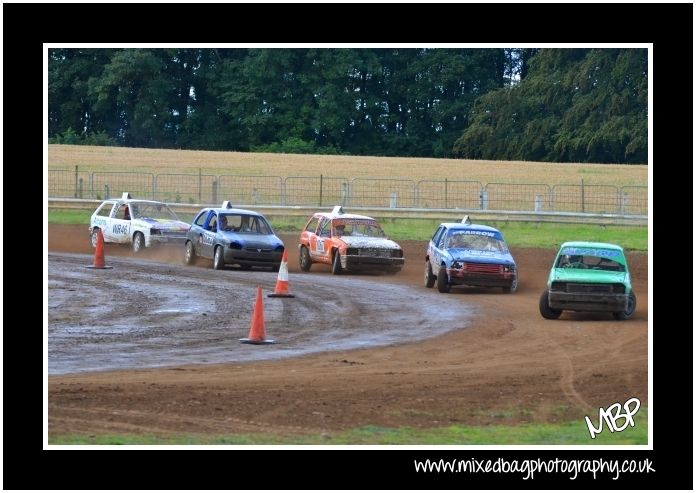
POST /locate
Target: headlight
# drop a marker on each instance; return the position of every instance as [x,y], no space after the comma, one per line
[509,268]
[235,246]
[155,231]
[279,248]
[456,264]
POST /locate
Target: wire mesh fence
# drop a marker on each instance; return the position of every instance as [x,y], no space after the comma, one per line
[326,191]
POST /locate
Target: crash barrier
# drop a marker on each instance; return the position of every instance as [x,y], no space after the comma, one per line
[187,211]
[324,191]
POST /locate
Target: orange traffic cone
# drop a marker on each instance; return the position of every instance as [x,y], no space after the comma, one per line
[257,331]
[99,262]
[281,287]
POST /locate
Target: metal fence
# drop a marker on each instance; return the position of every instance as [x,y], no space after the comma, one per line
[325,191]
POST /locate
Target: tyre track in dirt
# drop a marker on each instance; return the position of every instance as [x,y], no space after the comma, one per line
[509,365]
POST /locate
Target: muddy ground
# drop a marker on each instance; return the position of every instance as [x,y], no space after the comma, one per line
[474,356]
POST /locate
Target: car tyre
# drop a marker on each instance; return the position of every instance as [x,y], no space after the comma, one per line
[138,242]
[429,278]
[218,261]
[443,284]
[95,237]
[336,264]
[190,254]
[629,311]
[512,288]
[305,259]
[546,311]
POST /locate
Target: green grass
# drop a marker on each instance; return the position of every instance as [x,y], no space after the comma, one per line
[517,234]
[569,433]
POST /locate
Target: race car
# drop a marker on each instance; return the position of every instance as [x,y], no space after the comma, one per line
[469,254]
[141,223]
[588,276]
[233,237]
[348,242]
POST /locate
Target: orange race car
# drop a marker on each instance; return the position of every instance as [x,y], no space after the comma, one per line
[348,242]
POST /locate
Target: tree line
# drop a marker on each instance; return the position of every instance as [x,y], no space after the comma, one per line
[580,105]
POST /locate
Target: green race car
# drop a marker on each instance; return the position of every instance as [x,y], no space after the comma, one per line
[588,277]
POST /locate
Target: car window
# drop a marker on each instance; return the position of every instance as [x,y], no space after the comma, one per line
[312,225]
[324,228]
[200,220]
[436,236]
[105,209]
[123,212]
[212,223]
[441,239]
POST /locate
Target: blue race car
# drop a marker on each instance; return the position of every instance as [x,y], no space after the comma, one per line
[233,236]
[469,254]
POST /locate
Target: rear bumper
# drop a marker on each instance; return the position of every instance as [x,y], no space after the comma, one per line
[151,240]
[601,302]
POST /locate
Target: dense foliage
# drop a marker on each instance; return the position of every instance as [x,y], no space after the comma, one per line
[550,104]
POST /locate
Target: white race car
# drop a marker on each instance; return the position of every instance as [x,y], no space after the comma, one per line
[141,223]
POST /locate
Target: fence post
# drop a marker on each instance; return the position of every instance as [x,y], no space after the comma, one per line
[321,188]
[344,192]
[537,203]
[76,181]
[445,193]
[215,192]
[79,189]
[200,185]
[107,194]
[392,200]
[255,196]
[623,201]
[582,193]
[483,199]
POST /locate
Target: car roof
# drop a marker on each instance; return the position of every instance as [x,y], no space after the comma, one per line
[231,211]
[332,216]
[590,244]
[338,213]
[129,201]
[474,227]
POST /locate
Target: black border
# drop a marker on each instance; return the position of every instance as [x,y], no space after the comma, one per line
[668,26]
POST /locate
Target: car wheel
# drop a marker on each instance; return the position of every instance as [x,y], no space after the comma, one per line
[218,261]
[95,237]
[443,284]
[305,260]
[190,254]
[629,311]
[138,242]
[429,276]
[546,311]
[512,288]
[336,265]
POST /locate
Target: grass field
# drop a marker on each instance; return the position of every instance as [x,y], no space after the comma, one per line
[517,234]
[568,433]
[93,158]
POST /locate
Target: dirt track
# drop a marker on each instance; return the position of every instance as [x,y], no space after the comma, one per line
[504,365]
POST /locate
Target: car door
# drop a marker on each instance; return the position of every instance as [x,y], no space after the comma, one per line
[120,224]
[208,235]
[437,246]
[320,243]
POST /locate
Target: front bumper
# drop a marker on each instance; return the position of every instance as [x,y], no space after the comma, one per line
[489,280]
[363,262]
[268,258]
[589,302]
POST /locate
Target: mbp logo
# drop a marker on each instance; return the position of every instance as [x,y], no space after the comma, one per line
[612,415]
